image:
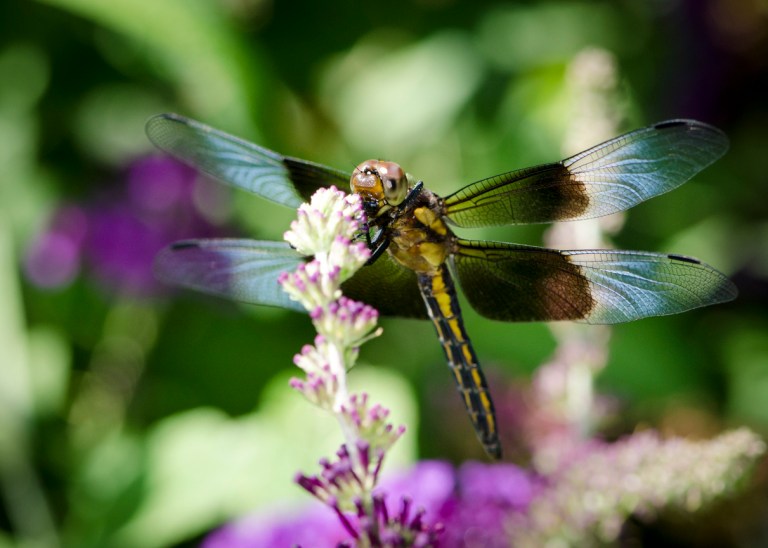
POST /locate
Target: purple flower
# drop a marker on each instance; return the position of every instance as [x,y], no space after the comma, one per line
[487,496]
[315,526]
[160,184]
[53,260]
[115,237]
[431,485]
[429,505]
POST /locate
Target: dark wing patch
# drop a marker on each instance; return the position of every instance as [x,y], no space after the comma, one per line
[388,287]
[517,283]
[530,195]
[308,176]
[523,283]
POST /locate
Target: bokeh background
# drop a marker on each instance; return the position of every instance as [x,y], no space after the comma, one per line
[135,415]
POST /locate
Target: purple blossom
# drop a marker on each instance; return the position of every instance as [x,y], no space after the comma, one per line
[488,495]
[114,237]
[315,526]
[331,217]
[53,260]
[430,484]
[429,505]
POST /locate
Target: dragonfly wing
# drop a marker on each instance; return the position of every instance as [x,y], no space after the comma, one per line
[237,269]
[236,162]
[388,287]
[511,282]
[610,177]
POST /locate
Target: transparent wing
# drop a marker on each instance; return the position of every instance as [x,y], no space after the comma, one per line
[237,269]
[610,177]
[512,282]
[236,162]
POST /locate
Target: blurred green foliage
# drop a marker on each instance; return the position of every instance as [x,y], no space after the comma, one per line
[146,420]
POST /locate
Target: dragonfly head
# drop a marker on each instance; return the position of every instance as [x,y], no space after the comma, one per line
[380,184]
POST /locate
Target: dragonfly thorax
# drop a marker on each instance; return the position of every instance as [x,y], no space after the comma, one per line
[380,184]
[419,237]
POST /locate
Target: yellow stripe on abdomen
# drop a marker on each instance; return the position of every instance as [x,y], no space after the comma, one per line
[439,294]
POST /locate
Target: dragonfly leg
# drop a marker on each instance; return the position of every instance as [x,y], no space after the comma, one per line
[377,246]
[415,191]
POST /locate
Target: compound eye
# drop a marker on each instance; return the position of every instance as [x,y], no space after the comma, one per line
[394,181]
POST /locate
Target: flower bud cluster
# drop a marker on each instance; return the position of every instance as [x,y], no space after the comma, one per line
[326,229]
[366,518]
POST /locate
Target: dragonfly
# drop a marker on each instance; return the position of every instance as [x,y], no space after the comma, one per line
[416,256]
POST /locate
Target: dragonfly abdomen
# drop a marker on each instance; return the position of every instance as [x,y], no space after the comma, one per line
[439,294]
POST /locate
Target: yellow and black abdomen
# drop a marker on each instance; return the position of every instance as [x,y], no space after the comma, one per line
[439,293]
[422,242]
